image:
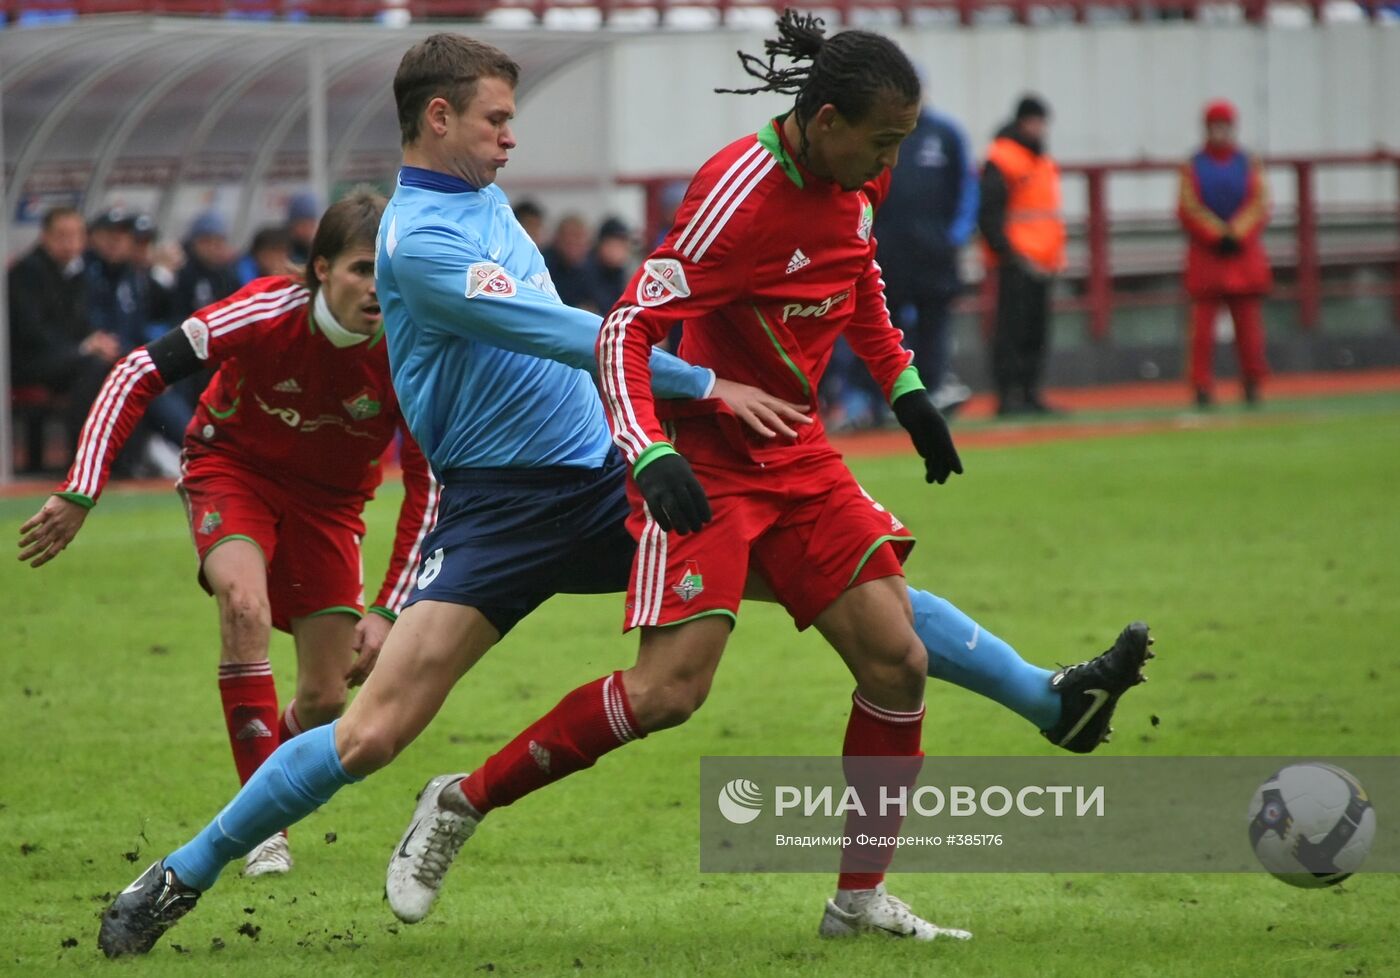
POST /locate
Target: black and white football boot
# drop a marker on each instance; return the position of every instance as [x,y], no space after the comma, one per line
[1090,691]
[144,911]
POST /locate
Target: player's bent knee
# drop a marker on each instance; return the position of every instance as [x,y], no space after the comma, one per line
[668,705]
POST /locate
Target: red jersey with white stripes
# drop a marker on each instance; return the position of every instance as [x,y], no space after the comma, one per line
[766,265]
[285,401]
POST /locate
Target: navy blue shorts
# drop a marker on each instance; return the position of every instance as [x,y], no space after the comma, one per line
[507,539]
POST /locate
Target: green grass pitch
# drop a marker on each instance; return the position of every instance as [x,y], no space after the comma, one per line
[1264,556]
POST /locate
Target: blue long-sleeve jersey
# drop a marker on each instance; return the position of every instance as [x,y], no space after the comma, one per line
[490,368]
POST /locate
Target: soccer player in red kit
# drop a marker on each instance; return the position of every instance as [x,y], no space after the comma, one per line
[279,460]
[770,260]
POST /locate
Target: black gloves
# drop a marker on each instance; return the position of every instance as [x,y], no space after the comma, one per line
[930,434]
[673,494]
[1228,244]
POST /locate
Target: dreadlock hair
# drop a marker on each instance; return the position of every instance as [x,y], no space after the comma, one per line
[847,70]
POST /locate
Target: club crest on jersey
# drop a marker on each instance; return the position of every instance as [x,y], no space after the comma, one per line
[489,279]
[198,335]
[363,405]
[691,583]
[867,219]
[663,279]
[211,522]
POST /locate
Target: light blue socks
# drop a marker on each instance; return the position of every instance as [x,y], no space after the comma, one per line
[298,778]
[961,652]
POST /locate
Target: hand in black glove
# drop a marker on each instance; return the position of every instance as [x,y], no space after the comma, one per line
[1228,245]
[673,494]
[930,435]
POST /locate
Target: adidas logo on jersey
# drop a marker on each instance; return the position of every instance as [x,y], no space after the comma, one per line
[798,261]
[252,729]
[288,386]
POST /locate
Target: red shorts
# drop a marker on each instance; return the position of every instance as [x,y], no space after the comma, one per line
[310,537]
[806,527]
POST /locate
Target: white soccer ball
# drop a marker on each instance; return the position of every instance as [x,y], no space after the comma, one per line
[1311,825]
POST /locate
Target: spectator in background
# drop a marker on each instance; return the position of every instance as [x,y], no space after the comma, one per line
[303,215]
[612,263]
[927,216]
[1224,207]
[269,254]
[531,219]
[118,301]
[121,303]
[208,274]
[1023,229]
[159,280]
[169,414]
[671,197]
[52,345]
[569,267]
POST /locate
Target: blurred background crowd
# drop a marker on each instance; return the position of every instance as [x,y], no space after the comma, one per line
[89,292]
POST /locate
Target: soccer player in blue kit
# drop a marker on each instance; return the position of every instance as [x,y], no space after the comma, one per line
[494,377]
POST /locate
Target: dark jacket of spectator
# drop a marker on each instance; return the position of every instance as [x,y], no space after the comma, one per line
[48,319]
[611,263]
[118,299]
[198,285]
[569,267]
[931,208]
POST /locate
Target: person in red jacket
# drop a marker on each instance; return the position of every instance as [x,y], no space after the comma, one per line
[278,463]
[1224,207]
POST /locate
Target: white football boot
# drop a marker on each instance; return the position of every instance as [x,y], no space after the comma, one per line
[272,855]
[434,835]
[875,911]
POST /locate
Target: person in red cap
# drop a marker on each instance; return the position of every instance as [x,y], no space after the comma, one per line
[1224,207]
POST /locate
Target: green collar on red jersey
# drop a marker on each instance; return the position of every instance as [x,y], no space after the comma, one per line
[770,139]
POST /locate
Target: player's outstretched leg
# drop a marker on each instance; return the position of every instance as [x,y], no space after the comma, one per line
[962,652]
[1066,707]
[431,646]
[1091,690]
[298,778]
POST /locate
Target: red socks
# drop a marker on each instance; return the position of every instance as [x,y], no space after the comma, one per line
[872,732]
[584,726]
[250,712]
[289,726]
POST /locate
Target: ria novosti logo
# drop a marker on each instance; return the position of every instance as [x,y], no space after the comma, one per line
[740,801]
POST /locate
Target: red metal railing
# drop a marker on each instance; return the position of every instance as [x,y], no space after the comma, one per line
[1099,281]
[964,11]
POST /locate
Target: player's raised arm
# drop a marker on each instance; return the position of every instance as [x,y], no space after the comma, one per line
[450,279]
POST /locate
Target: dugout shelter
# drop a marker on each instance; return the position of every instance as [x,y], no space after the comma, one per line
[162,107]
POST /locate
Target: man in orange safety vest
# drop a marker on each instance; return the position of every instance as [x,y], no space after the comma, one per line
[1023,231]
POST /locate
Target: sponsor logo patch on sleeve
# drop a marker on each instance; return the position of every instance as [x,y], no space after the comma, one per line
[662,280]
[489,279]
[198,335]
